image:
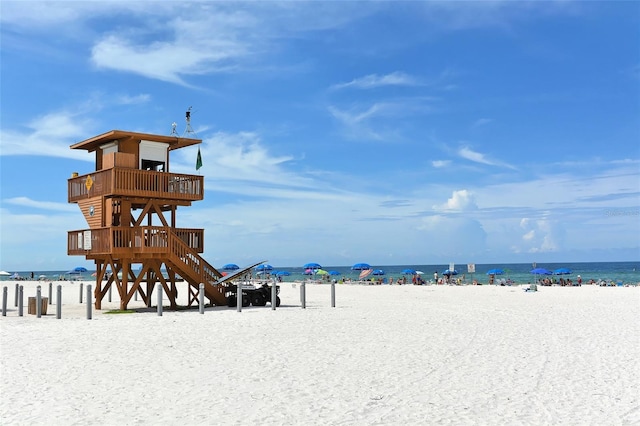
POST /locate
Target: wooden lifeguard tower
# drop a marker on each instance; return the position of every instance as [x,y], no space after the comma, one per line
[130,203]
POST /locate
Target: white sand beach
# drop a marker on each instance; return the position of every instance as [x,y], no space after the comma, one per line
[385,355]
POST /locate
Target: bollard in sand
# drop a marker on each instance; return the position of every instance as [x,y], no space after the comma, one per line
[38,302]
[80,292]
[333,294]
[201,298]
[274,296]
[20,300]
[239,298]
[303,296]
[59,302]
[89,301]
[5,293]
[50,293]
[159,289]
[16,295]
[110,287]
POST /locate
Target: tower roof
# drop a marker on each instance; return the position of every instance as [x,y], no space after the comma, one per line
[95,142]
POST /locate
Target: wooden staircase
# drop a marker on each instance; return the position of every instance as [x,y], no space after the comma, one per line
[195,270]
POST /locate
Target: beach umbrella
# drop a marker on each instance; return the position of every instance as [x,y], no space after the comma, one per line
[409,271]
[540,271]
[4,273]
[448,272]
[419,273]
[79,269]
[321,272]
[283,273]
[334,273]
[308,272]
[495,272]
[15,275]
[312,266]
[264,267]
[378,272]
[562,271]
[365,273]
[360,267]
[230,267]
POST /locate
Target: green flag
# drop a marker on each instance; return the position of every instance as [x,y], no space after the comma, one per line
[198,160]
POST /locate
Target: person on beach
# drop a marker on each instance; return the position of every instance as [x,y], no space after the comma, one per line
[435,276]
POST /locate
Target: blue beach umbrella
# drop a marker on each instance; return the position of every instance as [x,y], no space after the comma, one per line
[283,273]
[264,267]
[540,271]
[312,266]
[334,273]
[562,271]
[448,272]
[360,267]
[378,272]
[79,269]
[230,267]
[495,272]
[409,271]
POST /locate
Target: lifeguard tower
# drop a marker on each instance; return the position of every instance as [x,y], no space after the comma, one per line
[130,204]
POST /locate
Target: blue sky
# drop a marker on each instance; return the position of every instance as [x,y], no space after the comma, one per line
[337,132]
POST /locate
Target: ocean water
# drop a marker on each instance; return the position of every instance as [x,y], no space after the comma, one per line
[519,273]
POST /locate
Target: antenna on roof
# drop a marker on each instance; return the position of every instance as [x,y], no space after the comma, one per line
[173,129]
[188,130]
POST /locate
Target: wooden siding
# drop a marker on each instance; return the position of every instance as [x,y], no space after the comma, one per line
[119,159]
[94,221]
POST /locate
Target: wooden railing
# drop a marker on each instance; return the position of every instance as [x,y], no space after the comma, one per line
[172,244]
[195,270]
[120,240]
[137,183]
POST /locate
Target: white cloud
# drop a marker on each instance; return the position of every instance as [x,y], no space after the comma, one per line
[461,200]
[371,81]
[49,135]
[477,157]
[481,122]
[44,205]
[440,163]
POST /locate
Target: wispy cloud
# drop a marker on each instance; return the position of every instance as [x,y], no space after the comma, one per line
[481,122]
[438,164]
[42,205]
[372,81]
[478,157]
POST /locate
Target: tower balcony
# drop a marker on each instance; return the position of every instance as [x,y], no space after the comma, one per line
[128,182]
[124,241]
